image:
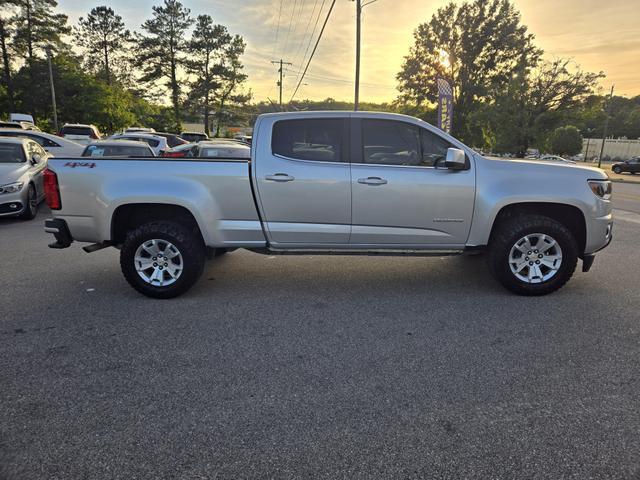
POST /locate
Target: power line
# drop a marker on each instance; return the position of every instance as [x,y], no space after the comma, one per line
[275,44]
[286,39]
[314,49]
[306,30]
[315,26]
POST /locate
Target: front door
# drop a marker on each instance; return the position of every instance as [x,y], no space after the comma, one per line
[402,198]
[304,182]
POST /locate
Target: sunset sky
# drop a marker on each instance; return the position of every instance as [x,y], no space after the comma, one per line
[598,35]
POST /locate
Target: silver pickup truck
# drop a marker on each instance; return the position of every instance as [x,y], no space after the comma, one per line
[334,183]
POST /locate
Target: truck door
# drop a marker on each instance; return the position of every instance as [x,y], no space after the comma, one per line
[399,196]
[303,182]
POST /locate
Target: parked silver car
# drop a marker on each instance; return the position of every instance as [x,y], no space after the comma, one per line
[22,162]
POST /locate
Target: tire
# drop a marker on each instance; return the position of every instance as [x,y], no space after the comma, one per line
[616,170]
[31,208]
[508,251]
[181,270]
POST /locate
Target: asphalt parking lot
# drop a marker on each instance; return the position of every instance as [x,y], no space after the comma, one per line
[316,367]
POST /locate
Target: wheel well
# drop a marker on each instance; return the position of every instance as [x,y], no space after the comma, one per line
[570,216]
[128,217]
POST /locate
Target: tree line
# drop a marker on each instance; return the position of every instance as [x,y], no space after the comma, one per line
[507,98]
[106,75]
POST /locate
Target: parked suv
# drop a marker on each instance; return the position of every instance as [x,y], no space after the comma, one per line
[80,133]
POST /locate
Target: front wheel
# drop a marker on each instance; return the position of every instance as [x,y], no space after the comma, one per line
[616,170]
[31,208]
[532,254]
[162,259]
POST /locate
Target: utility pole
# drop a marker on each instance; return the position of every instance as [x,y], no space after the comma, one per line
[359,7]
[356,96]
[606,126]
[53,91]
[280,70]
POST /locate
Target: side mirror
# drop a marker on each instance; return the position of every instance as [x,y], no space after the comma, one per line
[456,159]
[35,159]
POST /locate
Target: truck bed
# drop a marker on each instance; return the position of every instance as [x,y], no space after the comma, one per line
[217,191]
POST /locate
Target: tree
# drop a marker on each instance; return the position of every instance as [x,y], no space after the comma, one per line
[105,40]
[478,45]
[231,77]
[7,31]
[159,55]
[38,27]
[533,104]
[206,48]
[565,141]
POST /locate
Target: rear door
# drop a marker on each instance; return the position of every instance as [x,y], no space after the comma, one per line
[303,181]
[401,197]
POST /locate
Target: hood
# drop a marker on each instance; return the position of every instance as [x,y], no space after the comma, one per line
[11,172]
[556,168]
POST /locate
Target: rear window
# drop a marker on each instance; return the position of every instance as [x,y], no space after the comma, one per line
[87,131]
[313,139]
[11,153]
[193,137]
[10,125]
[116,151]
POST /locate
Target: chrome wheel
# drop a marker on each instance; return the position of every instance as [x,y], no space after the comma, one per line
[535,258]
[158,262]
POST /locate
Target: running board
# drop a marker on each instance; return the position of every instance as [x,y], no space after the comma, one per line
[379,252]
[96,246]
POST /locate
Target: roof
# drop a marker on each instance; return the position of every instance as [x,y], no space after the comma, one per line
[138,135]
[194,133]
[215,143]
[118,143]
[14,140]
[78,125]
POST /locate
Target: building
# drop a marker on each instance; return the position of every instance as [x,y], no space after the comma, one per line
[614,148]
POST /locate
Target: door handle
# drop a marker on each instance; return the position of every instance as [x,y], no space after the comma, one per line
[372,181]
[280,177]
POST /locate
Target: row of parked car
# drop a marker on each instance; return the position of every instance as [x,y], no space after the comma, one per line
[24,153]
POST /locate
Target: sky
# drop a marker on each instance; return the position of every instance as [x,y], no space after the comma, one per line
[597,35]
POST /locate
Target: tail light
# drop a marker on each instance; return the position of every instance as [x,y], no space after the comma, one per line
[51,190]
[94,135]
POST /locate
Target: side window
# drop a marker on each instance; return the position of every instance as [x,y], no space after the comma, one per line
[434,148]
[389,142]
[312,139]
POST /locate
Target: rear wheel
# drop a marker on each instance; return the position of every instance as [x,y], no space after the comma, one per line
[162,259]
[532,254]
[31,208]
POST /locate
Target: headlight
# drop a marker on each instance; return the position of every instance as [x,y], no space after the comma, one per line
[11,187]
[601,188]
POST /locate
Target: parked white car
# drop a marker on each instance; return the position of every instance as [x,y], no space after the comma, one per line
[157,143]
[57,146]
[80,133]
[22,163]
[140,130]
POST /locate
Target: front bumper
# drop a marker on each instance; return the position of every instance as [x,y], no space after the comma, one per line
[13,203]
[60,231]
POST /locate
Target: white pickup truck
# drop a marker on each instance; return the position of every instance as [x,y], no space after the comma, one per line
[334,183]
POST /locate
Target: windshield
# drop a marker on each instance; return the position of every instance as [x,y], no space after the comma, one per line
[11,153]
